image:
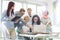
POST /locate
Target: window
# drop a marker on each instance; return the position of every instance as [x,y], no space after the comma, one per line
[25,6]
[18,6]
[33,7]
[40,10]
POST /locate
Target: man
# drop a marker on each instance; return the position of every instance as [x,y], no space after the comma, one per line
[29,11]
[19,23]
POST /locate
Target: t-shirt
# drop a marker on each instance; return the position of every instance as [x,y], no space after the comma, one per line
[45,22]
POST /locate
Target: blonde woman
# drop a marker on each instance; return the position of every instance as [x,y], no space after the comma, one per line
[27,28]
[28,23]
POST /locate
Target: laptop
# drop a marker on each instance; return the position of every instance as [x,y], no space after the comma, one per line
[39,29]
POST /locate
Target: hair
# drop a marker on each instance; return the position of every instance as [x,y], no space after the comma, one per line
[29,9]
[38,22]
[9,8]
[26,17]
[22,9]
[47,12]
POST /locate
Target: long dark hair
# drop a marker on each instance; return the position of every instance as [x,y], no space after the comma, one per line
[9,8]
[38,22]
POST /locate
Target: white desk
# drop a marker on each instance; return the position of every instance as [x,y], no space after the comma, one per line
[40,35]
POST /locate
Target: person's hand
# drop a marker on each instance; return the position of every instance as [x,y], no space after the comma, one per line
[50,24]
[22,31]
[28,30]
[28,25]
[17,20]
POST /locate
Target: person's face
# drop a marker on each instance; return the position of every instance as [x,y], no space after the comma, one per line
[13,7]
[26,19]
[29,12]
[35,19]
[22,13]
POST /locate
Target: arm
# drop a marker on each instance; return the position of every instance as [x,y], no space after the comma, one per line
[5,17]
[27,24]
[17,14]
[49,22]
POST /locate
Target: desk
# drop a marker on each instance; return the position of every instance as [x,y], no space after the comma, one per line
[53,35]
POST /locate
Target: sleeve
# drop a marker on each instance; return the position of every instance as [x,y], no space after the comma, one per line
[49,22]
[23,21]
[42,21]
[16,13]
[4,17]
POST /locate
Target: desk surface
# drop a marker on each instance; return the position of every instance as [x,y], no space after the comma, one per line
[38,35]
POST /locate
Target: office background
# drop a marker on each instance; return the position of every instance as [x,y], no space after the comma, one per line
[38,7]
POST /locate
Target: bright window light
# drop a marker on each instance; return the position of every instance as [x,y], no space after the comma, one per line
[33,7]
[58,13]
[18,6]
[40,10]
[4,5]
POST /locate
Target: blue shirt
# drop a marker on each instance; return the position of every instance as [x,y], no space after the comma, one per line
[8,23]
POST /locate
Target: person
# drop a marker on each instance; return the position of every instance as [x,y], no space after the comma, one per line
[36,21]
[47,22]
[7,16]
[20,22]
[28,23]
[27,18]
[29,11]
[26,29]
